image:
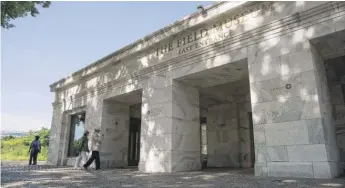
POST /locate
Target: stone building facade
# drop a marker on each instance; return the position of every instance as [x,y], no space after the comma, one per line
[267,79]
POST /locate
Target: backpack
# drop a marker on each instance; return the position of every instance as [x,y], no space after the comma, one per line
[35,145]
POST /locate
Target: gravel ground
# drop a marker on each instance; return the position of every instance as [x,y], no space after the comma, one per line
[19,175]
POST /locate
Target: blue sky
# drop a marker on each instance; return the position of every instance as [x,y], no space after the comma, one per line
[63,39]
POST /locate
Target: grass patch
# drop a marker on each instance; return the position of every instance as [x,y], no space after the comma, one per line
[17,148]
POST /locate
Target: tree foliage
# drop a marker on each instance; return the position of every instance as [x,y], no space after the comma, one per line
[11,10]
[10,137]
[17,148]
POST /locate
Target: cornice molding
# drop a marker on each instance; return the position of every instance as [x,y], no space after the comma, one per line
[242,36]
[274,29]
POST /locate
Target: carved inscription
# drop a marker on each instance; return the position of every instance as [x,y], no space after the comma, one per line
[268,115]
[271,114]
[222,125]
[215,33]
[281,89]
[155,111]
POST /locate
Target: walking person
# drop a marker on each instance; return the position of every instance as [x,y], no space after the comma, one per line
[89,154]
[34,149]
[83,149]
[96,140]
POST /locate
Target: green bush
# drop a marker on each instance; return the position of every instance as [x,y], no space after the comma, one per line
[17,149]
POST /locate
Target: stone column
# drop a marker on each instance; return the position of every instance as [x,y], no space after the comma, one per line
[185,128]
[94,110]
[115,126]
[170,132]
[61,121]
[293,130]
[113,118]
[55,136]
[245,142]
[223,145]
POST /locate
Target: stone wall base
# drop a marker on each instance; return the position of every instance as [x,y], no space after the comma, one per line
[318,170]
[156,167]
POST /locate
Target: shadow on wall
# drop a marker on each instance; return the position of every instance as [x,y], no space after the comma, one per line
[277,67]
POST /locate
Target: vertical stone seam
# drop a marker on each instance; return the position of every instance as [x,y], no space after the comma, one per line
[238,134]
[312,167]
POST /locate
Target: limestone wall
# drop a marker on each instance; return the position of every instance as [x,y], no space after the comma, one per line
[115,126]
[55,136]
[245,130]
[222,135]
[291,113]
[228,134]
[274,42]
[232,23]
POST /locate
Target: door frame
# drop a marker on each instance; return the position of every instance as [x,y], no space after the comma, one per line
[131,121]
[252,146]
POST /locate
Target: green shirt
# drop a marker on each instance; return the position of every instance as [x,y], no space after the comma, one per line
[84,144]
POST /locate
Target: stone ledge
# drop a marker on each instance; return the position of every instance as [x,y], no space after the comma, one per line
[326,170]
[290,169]
[307,153]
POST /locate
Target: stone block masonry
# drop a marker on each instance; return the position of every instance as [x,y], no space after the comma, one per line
[297,107]
[290,107]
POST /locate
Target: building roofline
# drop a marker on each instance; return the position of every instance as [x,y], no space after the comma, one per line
[137,42]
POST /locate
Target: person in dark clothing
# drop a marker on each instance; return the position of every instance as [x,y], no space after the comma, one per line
[83,149]
[34,149]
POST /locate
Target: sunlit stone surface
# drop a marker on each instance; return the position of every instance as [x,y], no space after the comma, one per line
[267,77]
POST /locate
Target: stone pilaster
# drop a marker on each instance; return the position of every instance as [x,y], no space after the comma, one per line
[55,136]
[115,126]
[293,131]
[223,145]
[244,130]
[94,110]
[185,128]
[113,118]
[170,133]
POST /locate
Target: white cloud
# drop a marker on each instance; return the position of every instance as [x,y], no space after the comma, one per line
[14,122]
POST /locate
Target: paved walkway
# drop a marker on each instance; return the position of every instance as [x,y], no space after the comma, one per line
[49,176]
